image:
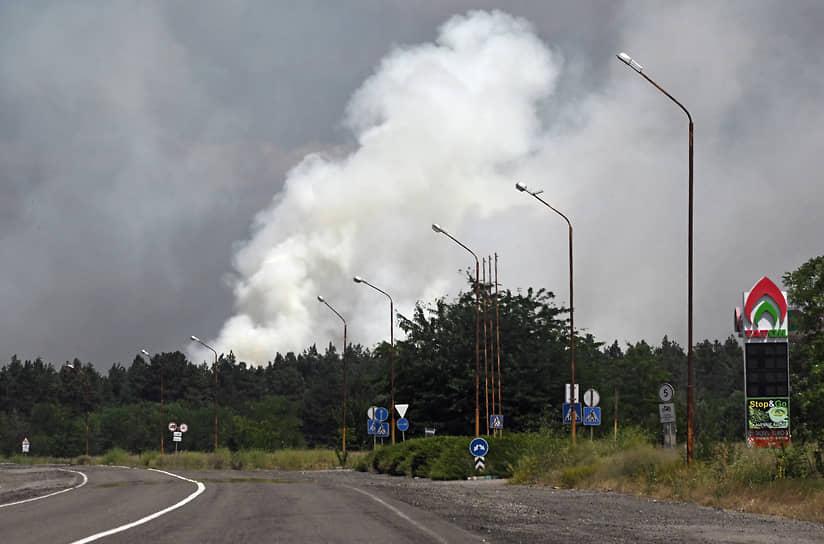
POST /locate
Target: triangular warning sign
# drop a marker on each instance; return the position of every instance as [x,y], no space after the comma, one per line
[401,408]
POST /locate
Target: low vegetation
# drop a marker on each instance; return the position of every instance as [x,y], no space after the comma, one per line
[222,459]
[786,482]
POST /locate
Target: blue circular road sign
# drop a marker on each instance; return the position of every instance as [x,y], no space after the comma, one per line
[403,424]
[381,414]
[478,447]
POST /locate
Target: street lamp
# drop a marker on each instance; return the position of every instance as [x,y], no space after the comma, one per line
[343,440]
[437,228]
[521,187]
[629,61]
[358,279]
[207,346]
[85,384]
[162,424]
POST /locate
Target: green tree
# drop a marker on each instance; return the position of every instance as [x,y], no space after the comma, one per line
[806,292]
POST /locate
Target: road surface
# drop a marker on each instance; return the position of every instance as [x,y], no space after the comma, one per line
[233,507]
[346,506]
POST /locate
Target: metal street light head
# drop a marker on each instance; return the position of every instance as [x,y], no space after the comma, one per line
[195,338]
[144,352]
[70,365]
[520,186]
[320,299]
[437,228]
[626,59]
[357,279]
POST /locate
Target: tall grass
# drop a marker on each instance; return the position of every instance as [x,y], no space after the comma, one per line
[222,459]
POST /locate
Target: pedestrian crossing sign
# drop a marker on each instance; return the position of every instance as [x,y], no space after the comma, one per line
[592,415]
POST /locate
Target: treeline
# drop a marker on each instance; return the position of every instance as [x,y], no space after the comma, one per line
[296,399]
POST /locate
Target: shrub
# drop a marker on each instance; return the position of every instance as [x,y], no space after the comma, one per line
[115,456]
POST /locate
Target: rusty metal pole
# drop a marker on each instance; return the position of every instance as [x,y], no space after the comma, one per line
[210,348]
[521,187]
[498,342]
[486,360]
[629,61]
[358,279]
[343,432]
[438,229]
[160,366]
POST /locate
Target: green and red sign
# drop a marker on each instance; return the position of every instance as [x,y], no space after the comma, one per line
[765,313]
[763,324]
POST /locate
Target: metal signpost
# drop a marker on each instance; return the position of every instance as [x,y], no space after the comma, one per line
[177,432]
[479,448]
[377,425]
[402,423]
[592,412]
[666,413]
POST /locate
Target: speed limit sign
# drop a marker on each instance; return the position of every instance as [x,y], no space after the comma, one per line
[172,426]
[184,427]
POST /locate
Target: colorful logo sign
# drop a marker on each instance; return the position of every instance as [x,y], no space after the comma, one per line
[765,312]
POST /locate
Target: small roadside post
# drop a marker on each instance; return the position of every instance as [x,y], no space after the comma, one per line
[177,432]
[402,423]
[592,412]
[666,413]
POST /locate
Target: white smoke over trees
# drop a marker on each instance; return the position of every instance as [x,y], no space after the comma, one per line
[436,127]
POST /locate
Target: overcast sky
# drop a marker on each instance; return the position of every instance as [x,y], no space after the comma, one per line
[210,167]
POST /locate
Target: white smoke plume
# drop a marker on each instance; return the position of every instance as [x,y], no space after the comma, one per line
[436,128]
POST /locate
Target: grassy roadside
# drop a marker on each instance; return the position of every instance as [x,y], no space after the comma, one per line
[222,459]
[785,482]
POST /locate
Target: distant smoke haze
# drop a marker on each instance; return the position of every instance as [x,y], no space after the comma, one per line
[435,126]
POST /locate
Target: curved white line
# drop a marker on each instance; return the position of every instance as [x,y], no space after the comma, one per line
[200,489]
[426,530]
[81,484]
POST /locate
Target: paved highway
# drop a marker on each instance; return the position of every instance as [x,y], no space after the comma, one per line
[221,507]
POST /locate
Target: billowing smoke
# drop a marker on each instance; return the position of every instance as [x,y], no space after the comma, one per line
[436,128]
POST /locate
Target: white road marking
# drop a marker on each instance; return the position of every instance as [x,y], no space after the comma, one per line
[81,484]
[200,489]
[426,530]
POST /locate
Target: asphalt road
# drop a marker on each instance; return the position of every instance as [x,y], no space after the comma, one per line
[345,506]
[234,507]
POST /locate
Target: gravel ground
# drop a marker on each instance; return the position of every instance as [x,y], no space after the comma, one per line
[499,512]
[534,514]
[18,482]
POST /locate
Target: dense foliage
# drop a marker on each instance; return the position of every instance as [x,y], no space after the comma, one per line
[296,399]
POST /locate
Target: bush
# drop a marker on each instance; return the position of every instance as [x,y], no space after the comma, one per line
[115,456]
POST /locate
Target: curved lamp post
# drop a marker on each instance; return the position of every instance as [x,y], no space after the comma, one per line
[85,383]
[437,228]
[358,279]
[521,187]
[162,424]
[629,61]
[210,348]
[343,440]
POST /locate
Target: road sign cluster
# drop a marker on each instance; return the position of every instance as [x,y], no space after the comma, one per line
[588,415]
[177,431]
[377,424]
[479,448]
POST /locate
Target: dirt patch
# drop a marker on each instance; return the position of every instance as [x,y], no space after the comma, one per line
[18,482]
[499,512]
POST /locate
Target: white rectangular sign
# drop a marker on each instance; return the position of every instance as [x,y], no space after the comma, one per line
[566,393]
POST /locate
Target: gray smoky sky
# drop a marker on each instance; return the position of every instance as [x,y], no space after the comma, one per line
[210,167]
